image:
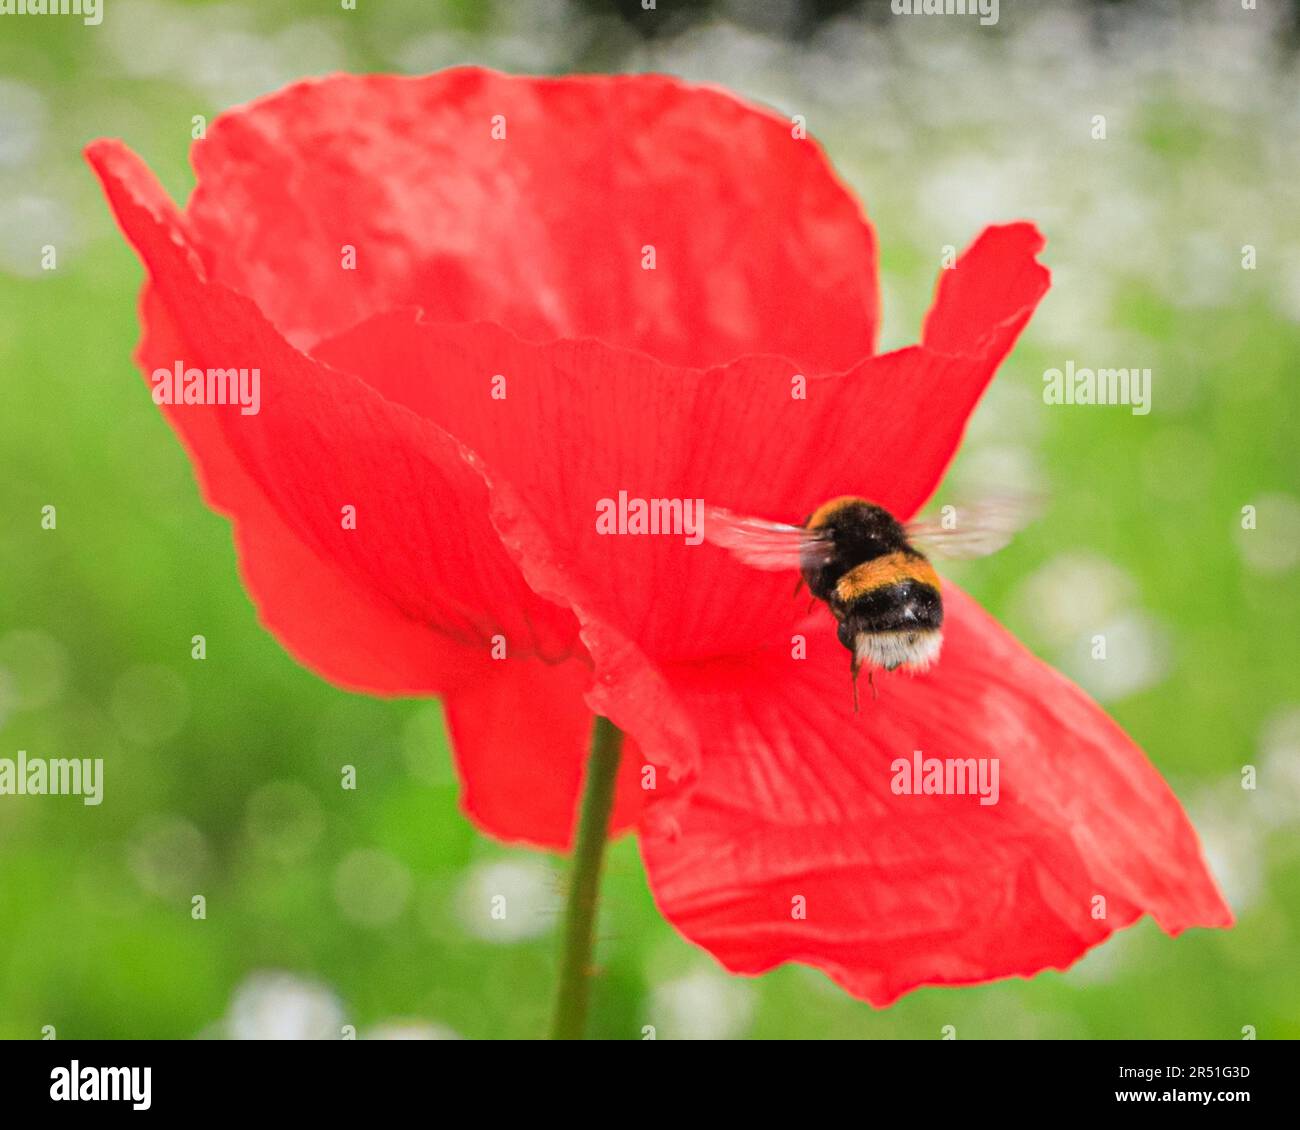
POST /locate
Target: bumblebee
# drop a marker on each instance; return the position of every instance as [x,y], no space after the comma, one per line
[865,565]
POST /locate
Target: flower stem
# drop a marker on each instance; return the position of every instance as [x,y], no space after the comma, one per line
[572,992]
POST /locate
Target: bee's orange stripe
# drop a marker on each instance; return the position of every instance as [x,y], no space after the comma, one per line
[823,513]
[887,570]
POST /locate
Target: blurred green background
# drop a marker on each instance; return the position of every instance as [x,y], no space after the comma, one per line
[369,908]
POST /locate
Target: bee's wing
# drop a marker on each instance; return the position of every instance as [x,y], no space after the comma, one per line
[765,545]
[974,529]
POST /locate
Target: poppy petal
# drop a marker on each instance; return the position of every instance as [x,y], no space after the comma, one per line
[984,301]
[574,426]
[795,844]
[523,781]
[326,621]
[640,210]
[524,788]
[415,548]
[980,307]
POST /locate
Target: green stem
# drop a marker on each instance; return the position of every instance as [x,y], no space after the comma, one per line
[572,992]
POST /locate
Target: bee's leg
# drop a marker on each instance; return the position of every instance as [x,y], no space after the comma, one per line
[871,681]
[798,588]
[853,670]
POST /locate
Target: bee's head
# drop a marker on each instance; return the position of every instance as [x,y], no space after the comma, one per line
[858,529]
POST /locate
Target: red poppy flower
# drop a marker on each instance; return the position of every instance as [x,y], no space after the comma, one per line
[641,267]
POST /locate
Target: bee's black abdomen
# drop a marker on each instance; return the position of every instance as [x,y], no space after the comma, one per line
[906,606]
